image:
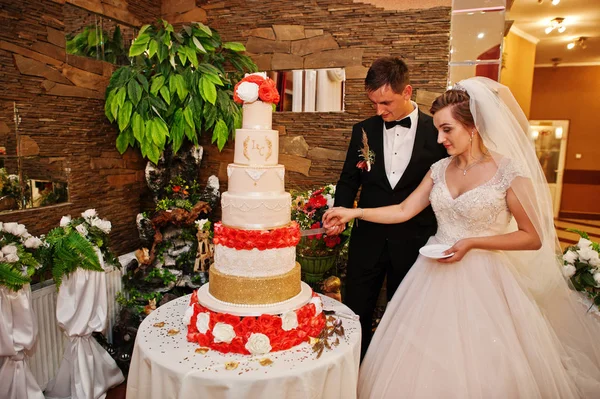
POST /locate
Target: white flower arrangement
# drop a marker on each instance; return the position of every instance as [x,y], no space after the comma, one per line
[581,264]
[20,255]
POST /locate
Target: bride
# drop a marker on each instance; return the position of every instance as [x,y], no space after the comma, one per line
[494,319]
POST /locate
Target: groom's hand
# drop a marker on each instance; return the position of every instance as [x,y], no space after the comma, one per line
[335,229]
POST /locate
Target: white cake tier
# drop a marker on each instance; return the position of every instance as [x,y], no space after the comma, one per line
[257,115]
[256,147]
[253,262]
[255,211]
[260,180]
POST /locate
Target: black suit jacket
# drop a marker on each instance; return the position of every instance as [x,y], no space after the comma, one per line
[368,239]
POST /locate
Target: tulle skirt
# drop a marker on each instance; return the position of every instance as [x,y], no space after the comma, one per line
[468,330]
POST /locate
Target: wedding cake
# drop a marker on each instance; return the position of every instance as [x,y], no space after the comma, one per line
[255,301]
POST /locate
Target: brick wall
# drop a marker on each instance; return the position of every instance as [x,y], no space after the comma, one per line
[60,103]
[319,34]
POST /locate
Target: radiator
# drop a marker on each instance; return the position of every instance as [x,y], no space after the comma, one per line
[45,357]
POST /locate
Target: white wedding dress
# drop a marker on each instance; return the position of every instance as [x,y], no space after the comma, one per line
[468,329]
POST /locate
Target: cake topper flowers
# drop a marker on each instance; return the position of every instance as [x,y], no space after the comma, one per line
[365,154]
[256,86]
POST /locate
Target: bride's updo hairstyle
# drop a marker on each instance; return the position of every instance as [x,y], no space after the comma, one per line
[459,101]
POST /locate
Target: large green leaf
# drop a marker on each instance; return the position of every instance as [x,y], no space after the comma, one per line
[234,46]
[122,142]
[140,44]
[214,78]
[164,92]
[157,82]
[134,91]
[153,153]
[208,68]
[204,28]
[182,90]
[208,90]
[177,130]
[143,81]
[163,51]
[120,96]
[189,117]
[108,105]
[191,54]
[162,127]
[182,54]
[221,133]
[198,45]
[152,48]
[124,115]
[137,124]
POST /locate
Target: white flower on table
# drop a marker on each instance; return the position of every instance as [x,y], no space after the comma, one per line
[65,220]
[102,224]
[90,213]
[32,242]
[329,199]
[202,322]
[15,229]
[81,229]
[187,316]
[569,270]
[597,278]
[289,320]
[258,344]
[223,332]
[318,305]
[248,92]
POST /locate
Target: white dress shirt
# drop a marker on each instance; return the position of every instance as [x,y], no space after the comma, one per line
[398,143]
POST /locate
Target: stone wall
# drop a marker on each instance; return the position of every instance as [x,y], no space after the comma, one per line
[284,35]
[60,102]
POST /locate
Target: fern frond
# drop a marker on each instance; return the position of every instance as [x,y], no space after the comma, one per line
[11,278]
[581,233]
[71,251]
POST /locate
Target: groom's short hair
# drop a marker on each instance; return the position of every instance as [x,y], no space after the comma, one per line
[390,71]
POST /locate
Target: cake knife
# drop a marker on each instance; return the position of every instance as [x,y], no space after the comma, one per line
[311,232]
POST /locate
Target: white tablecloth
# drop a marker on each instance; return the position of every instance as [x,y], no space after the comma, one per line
[18,332]
[166,366]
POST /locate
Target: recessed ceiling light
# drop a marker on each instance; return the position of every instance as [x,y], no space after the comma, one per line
[480,36]
[555,2]
[571,45]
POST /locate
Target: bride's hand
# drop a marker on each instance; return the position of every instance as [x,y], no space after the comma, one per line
[338,216]
[460,249]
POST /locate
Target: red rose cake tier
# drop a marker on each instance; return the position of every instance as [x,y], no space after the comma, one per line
[255,301]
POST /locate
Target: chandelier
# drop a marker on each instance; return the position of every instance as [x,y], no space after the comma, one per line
[556,23]
[579,42]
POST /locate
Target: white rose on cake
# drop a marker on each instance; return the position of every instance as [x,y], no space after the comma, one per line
[289,320]
[248,92]
[318,305]
[187,316]
[258,344]
[223,332]
[202,322]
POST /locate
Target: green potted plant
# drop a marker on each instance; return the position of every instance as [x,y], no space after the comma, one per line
[316,253]
[178,85]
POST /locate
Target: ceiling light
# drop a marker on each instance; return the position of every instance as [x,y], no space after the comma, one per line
[480,36]
[556,23]
[579,42]
[555,2]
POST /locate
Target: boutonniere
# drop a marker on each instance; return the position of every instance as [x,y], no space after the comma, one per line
[365,154]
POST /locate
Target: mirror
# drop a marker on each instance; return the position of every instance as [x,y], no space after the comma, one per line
[95,36]
[310,90]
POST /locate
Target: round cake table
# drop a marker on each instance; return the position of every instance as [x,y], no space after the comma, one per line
[166,366]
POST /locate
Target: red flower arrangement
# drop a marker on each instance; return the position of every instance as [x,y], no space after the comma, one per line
[283,237]
[310,323]
[265,90]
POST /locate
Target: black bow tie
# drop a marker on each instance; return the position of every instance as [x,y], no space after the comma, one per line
[404,123]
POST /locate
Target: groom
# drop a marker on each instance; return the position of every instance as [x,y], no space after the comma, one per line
[388,156]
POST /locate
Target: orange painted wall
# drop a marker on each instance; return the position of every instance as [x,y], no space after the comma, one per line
[518,56]
[573,93]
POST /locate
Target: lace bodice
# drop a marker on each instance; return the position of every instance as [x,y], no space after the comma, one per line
[482,211]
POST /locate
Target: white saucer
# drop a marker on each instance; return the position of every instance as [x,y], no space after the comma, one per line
[435,251]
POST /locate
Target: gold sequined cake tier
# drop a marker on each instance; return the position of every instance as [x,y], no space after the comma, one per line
[254,290]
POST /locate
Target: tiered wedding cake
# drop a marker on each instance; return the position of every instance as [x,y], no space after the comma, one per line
[255,302]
